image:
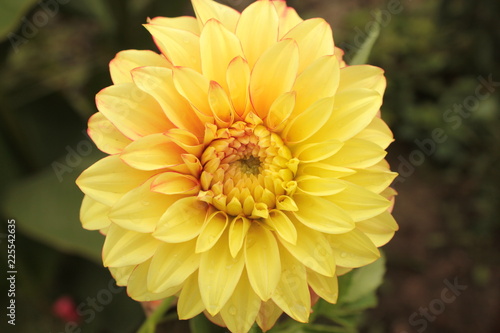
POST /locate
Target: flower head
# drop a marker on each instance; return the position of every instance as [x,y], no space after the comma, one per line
[246,165]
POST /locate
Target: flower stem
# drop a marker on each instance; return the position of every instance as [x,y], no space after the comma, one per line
[149,326]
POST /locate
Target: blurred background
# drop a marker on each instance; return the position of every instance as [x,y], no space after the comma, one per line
[442,102]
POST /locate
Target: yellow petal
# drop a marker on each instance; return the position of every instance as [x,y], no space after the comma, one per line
[221,105]
[373,180]
[194,87]
[93,214]
[218,46]
[140,209]
[325,170]
[288,17]
[362,76]
[304,125]
[182,221]
[125,61]
[153,152]
[187,23]
[109,178]
[137,286]
[124,247]
[181,47]
[171,265]
[357,153]
[208,9]
[314,38]
[186,140]
[380,229]
[219,274]
[257,29]
[280,111]
[273,74]
[359,202]
[320,186]
[292,292]
[237,234]
[174,183]
[242,308]
[312,249]
[353,249]
[319,80]
[159,83]
[105,135]
[262,261]
[281,223]
[132,111]
[377,132]
[314,152]
[326,287]
[122,274]
[322,215]
[190,304]
[211,231]
[238,78]
[268,315]
[353,111]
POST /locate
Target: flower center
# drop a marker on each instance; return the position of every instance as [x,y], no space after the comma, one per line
[248,171]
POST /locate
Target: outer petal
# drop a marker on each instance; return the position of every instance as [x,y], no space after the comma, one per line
[315,39]
[379,229]
[262,261]
[218,47]
[132,111]
[190,304]
[105,135]
[208,9]
[353,249]
[257,29]
[219,274]
[357,153]
[93,214]
[377,132]
[158,82]
[325,286]
[273,74]
[124,248]
[109,178]
[137,286]
[288,17]
[242,308]
[362,76]
[171,265]
[292,292]
[187,23]
[125,61]
[373,180]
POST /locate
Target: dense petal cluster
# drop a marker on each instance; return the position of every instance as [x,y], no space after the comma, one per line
[246,165]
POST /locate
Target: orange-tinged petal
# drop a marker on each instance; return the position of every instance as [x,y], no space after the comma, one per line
[220,104]
[153,152]
[208,9]
[182,221]
[242,308]
[218,46]
[124,247]
[292,292]
[171,265]
[238,78]
[186,140]
[322,215]
[314,38]
[190,304]
[187,23]
[109,178]
[181,47]
[288,17]
[327,287]
[158,82]
[134,112]
[125,61]
[174,183]
[219,274]
[273,74]
[353,249]
[257,29]
[93,214]
[194,87]
[262,261]
[105,135]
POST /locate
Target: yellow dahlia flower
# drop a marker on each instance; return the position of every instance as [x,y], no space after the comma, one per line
[246,165]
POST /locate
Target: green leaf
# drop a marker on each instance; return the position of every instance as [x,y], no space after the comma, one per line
[149,326]
[365,280]
[11,12]
[46,207]
[361,57]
